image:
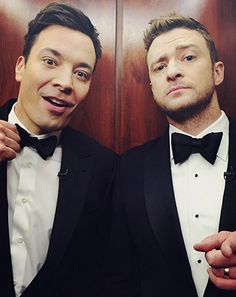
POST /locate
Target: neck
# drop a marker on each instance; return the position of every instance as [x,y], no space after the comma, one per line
[199,122]
[21,116]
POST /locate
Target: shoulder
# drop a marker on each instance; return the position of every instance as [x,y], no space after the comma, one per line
[147,148]
[86,144]
[232,124]
[140,149]
[6,108]
[136,157]
[104,161]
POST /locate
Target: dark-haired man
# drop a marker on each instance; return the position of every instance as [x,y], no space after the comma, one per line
[174,191]
[54,181]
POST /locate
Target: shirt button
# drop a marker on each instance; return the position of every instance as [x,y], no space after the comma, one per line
[20,240]
[196,216]
[24,200]
[199,261]
[196,175]
[28,164]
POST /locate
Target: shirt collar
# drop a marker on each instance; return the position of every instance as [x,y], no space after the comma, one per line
[220,125]
[13,119]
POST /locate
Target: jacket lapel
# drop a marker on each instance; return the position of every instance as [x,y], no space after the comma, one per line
[76,169]
[73,188]
[161,208]
[228,213]
[6,108]
[6,278]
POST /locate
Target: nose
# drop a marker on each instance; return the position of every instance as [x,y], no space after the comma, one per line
[173,71]
[64,81]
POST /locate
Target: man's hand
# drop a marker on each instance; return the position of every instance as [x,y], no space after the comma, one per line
[9,141]
[220,252]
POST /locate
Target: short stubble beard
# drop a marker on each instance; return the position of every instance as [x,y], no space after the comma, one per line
[189,111]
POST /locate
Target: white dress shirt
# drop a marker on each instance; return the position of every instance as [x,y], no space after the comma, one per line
[199,188]
[32,189]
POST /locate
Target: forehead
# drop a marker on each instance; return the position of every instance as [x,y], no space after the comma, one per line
[68,42]
[174,39]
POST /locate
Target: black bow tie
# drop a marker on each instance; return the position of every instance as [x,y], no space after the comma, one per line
[183,146]
[45,147]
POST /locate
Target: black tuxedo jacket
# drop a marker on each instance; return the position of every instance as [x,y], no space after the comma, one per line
[147,256]
[81,225]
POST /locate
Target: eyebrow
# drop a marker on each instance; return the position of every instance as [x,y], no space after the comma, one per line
[51,50]
[58,54]
[159,60]
[187,46]
[178,47]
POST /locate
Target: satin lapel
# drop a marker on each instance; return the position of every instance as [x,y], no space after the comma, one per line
[6,279]
[72,192]
[228,213]
[6,108]
[73,188]
[161,208]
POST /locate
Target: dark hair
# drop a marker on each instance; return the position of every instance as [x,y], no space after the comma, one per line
[63,15]
[173,21]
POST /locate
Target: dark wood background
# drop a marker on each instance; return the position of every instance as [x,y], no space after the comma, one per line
[120,111]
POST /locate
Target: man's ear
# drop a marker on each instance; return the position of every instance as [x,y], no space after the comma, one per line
[218,73]
[19,69]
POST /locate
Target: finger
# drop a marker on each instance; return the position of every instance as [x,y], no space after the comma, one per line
[7,125]
[229,245]
[10,140]
[9,130]
[12,144]
[216,259]
[220,272]
[211,242]
[7,153]
[12,135]
[221,282]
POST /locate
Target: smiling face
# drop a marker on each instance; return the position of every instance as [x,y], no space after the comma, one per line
[182,76]
[55,78]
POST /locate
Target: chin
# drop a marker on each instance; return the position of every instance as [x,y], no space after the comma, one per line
[47,129]
[185,113]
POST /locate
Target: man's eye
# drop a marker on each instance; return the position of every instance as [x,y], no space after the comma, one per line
[82,75]
[49,61]
[189,58]
[159,68]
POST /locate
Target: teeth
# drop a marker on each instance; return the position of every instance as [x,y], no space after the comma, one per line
[56,102]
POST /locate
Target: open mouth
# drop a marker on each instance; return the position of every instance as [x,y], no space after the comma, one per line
[57,102]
